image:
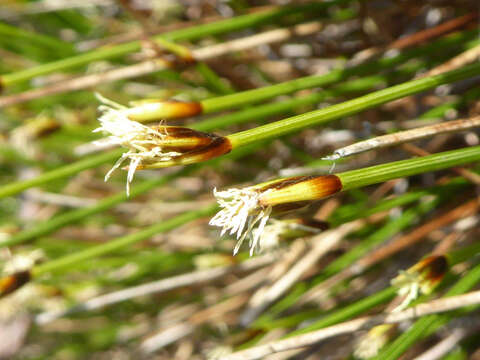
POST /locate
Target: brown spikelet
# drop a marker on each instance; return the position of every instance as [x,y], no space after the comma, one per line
[300,188]
[217,146]
[10,283]
[182,139]
[434,267]
[427,273]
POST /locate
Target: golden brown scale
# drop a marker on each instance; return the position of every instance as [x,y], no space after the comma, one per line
[300,188]
[217,146]
[437,267]
[191,139]
[10,283]
[287,182]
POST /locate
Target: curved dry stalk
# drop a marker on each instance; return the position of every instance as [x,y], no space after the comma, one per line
[401,137]
[323,243]
[432,307]
[460,60]
[163,285]
[442,348]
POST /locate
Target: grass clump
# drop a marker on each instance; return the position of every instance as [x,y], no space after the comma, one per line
[241,236]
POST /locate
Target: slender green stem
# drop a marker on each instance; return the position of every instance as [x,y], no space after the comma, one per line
[257,95]
[350,107]
[318,187]
[63,219]
[350,311]
[64,171]
[380,173]
[263,111]
[260,111]
[122,242]
[46,42]
[191,33]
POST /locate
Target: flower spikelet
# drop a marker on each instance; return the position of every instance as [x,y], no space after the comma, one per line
[240,213]
[144,143]
[422,278]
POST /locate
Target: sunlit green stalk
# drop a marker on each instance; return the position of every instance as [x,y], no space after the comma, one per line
[45,42]
[351,107]
[122,242]
[256,95]
[380,173]
[64,171]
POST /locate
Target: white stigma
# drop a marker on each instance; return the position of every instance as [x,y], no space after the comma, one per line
[240,214]
[410,286]
[144,144]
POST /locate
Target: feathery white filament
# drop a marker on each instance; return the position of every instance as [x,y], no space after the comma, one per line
[240,214]
[144,144]
[410,286]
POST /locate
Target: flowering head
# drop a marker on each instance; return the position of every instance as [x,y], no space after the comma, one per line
[422,278]
[156,146]
[243,209]
[240,213]
[12,282]
[16,271]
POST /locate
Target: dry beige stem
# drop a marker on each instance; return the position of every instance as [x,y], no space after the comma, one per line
[348,327]
[400,137]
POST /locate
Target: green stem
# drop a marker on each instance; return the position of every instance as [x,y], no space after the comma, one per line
[257,95]
[191,33]
[403,168]
[39,40]
[350,311]
[64,171]
[64,219]
[122,242]
[350,107]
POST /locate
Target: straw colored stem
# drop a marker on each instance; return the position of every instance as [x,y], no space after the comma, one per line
[324,243]
[367,322]
[155,287]
[400,137]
